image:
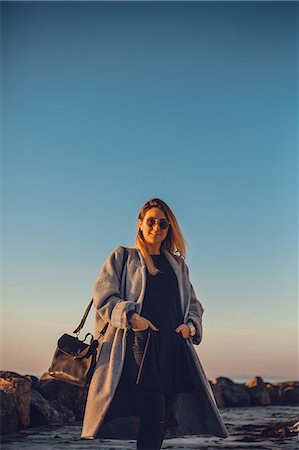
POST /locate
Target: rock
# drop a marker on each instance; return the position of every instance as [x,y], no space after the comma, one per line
[69,400]
[280,430]
[9,416]
[295,427]
[224,381]
[228,393]
[41,412]
[18,389]
[257,389]
[284,393]
[33,380]
[65,413]
[275,394]
[290,392]
[218,394]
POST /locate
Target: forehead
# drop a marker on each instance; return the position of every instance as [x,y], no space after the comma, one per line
[157,213]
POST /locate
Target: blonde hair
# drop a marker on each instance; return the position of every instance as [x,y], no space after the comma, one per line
[174,241]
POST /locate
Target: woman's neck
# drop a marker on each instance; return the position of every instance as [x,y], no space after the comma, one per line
[154,250]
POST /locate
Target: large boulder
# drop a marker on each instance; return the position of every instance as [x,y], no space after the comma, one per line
[228,393]
[289,392]
[259,394]
[42,412]
[275,394]
[9,415]
[17,389]
[69,400]
[33,380]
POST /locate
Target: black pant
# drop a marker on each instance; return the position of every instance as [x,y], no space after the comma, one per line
[152,405]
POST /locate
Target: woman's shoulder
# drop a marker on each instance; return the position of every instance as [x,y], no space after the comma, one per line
[118,255]
[180,260]
[121,249]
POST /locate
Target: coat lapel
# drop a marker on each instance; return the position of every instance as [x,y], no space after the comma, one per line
[178,271]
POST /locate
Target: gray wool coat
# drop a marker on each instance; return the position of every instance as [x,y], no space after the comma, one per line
[114,294]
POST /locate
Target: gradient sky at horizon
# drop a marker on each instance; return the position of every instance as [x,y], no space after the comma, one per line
[106,105]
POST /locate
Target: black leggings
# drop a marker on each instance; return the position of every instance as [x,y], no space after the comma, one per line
[153,406]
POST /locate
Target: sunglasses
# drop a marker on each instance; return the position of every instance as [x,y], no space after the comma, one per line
[163,223]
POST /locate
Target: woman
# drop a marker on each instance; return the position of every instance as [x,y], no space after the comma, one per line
[147,362]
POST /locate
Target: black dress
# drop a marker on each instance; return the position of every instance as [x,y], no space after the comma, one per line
[165,362]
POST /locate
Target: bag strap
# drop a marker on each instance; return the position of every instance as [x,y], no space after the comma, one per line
[83,320]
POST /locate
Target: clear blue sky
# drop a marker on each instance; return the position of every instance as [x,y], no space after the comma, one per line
[106,105]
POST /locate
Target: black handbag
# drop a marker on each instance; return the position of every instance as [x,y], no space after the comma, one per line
[74,360]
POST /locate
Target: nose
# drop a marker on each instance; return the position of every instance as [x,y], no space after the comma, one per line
[157,225]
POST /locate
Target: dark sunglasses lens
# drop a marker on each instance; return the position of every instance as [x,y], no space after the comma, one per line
[163,224]
[150,222]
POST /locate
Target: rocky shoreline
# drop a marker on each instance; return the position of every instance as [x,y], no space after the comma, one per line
[27,402]
[250,428]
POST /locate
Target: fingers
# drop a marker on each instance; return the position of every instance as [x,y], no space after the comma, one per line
[152,326]
[138,329]
[141,324]
[184,329]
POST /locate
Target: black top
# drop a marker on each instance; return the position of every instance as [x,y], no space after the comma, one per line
[161,303]
[166,366]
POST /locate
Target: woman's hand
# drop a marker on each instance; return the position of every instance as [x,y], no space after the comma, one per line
[184,329]
[140,323]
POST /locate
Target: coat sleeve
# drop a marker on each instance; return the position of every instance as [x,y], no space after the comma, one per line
[106,292]
[195,312]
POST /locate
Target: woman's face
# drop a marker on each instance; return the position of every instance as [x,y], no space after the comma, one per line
[154,235]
